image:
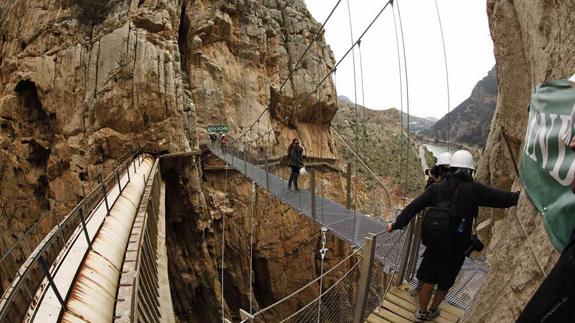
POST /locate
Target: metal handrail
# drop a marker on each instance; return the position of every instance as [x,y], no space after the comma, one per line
[75,209]
[44,254]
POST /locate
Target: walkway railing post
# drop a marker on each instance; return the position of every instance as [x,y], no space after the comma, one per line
[105,195]
[405,251]
[364,279]
[312,190]
[414,255]
[245,162]
[267,173]
[51,281]
[348,183]
[118,180]
[82,218]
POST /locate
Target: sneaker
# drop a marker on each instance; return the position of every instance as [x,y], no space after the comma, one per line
[433,314]
[420,316]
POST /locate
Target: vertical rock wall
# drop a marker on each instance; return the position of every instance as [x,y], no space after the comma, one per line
[533,43]
[285,248]
[239,53]
[82,82]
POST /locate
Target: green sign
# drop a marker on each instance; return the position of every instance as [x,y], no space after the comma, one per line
[220,128]
[547,164]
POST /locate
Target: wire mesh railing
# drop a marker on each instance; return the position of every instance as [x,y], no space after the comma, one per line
[335,304]
[26,264]
[335,301]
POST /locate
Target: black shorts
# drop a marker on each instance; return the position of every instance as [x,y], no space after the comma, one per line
[440,270]
[295,169]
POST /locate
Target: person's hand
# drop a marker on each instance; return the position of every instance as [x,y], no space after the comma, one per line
[572,143]
[389,227]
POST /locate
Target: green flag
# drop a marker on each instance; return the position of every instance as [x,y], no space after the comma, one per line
[547,163]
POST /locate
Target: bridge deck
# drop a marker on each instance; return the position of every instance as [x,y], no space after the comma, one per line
[399,307]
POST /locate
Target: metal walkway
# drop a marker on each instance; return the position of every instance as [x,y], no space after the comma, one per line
[104,262]
[352,226]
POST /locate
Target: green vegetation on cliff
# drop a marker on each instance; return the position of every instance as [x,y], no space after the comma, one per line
[380,145]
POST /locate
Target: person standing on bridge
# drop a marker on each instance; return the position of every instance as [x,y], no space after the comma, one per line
[295,160]
[454,203]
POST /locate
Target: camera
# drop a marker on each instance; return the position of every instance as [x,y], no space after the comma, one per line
[474,245]
[433,172]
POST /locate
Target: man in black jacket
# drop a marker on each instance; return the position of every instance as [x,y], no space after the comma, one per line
[438,268]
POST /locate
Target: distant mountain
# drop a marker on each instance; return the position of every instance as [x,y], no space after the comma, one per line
[417,124]
[379,143]
[471,119]
[343,98]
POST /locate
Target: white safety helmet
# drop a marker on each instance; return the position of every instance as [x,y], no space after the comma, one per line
[462,159]
[444,159]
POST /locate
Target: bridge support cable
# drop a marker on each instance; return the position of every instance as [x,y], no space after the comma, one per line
[396,4]
[400,74]
[446,77]
[223,251]
[356,125]
[252,213]
[322,251]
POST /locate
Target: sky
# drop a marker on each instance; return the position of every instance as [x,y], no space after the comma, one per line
[469,50]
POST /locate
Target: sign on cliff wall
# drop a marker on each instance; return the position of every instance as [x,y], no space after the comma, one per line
[548,165]
[220,128]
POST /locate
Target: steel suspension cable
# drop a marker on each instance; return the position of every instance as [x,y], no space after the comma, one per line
[406,97]
[400,97]
[362,88]
[319,70]
[224,244]
[446,77]
[356,138]
[322,253]
[254,201]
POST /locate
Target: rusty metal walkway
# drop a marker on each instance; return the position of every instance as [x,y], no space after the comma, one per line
[350,225]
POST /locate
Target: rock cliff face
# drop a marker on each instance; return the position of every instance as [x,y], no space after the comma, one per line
[533,43]
[83,82]
[470,120]
[284,243]
[240,53]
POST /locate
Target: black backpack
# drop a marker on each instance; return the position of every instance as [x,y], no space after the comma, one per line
[440,224]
